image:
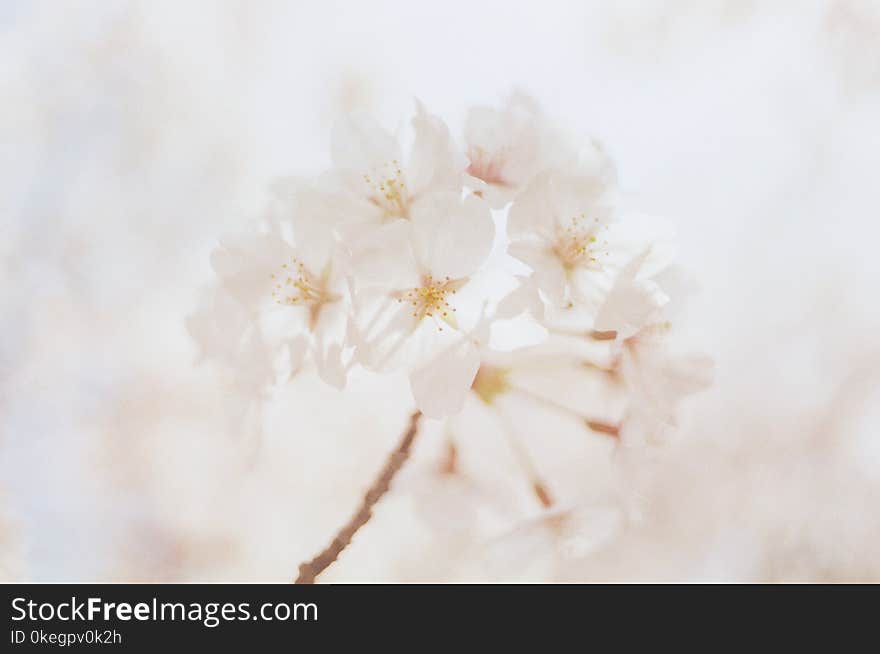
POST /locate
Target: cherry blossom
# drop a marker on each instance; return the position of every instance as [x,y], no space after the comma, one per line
[295,298]
[508,147]
[390,262]
[372,182]
[511,276]
[412,277]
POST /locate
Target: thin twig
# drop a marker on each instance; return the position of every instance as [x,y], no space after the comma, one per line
[310,570]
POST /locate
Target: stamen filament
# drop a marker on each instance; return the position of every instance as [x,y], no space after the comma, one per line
[594,425]
[539,488]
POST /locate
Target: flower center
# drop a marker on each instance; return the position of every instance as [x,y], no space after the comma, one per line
[386,189]
[486,166]
[576,243]
[296,286]
[430,299]
[490,382]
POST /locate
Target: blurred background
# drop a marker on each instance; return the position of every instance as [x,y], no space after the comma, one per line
[136,134]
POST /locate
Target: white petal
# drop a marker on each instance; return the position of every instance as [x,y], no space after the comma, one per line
[246,264]
[486,128]
[383,256]
[574,194]
[434,162]
[296,354]
[440,387]
[452,237]
[548,274]
[534,211]
[630,308]
[524,299]
[380,330]
[552,199]
[360,144]
[632,302]
[316,216]
[659,380]
[507,139]
[588,289]
[330,366]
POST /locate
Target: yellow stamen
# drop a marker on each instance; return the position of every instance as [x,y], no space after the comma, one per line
[386,188]
[302,288]
[430,299]
[576,244]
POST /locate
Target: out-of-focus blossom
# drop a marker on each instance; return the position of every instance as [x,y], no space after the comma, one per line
[656,380]
[508,147]
[291,301]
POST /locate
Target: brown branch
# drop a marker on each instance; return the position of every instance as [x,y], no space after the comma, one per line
[310,570]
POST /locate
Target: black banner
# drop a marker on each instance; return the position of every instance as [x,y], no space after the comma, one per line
[126,617]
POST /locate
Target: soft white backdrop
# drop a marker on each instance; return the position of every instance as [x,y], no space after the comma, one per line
[136,134]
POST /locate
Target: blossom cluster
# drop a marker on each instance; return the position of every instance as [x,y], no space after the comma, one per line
[414,254]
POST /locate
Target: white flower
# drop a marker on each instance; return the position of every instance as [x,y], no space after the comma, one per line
[296,298]
[656,376]
[559,227]
[508,148]
[548,377]
[415,299]
[441,384]
[634,301]
[567,373]
[617,374]
[372,182]
[225,334]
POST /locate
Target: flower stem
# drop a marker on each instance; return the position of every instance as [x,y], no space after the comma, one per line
[539,488]
[309,570]
[449,465]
